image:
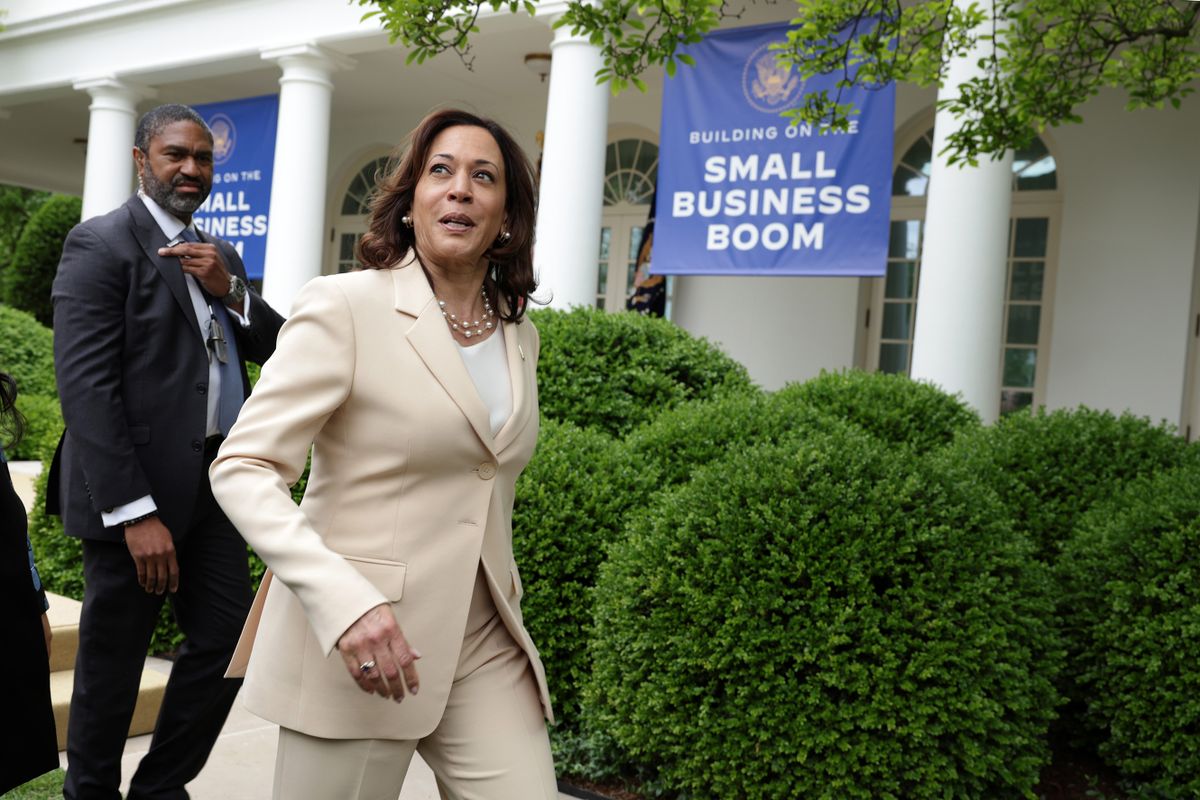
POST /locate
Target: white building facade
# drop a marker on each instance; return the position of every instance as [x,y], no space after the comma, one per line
[1066,275]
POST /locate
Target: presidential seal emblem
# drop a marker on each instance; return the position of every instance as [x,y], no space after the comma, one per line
[224,137]
[767,85]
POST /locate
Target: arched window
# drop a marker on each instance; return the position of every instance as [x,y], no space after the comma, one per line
[351,222]
[630,172]
[1029,285]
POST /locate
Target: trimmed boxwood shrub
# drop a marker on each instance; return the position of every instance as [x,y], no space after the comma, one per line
[27,352]
[613,372]
[28,277]
[694,434]
[894,408]
[1049,468]
[1131,598]
[828,618]
[571,503]
[43,428]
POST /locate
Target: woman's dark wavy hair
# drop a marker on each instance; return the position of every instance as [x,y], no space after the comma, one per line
[387,239]
[12,424]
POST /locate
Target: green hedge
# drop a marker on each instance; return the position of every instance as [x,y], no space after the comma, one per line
[571,503]
[613,372]
[894,408]
[829,618]
[1049,468]
[43,428]
[27,352]
[1131,598]
[694,434]
[28,278]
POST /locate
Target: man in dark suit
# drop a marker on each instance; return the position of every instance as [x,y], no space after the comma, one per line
[152,324]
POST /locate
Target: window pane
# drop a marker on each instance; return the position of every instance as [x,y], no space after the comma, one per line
[638,190]
[600,303]
[1020,367]
[1023,324]
[1011,401]
[907,182]
[602,279]
[1031,238]
[901,280]
[627,152]
[897,320]
[635,241]
[904,240]
[605,240]
[1039,176]
[893,358]
[1027,278]
[920,155]
[647,158]
[346,251]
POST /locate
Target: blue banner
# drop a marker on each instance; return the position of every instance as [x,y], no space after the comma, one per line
[741,191]
[243,160]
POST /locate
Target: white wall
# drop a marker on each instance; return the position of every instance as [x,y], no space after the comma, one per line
[782,329]
[1122,317]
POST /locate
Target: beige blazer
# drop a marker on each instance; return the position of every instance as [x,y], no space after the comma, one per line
[408,492]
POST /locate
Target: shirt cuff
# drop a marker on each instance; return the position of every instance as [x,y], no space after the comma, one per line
[138,508]
[243,316]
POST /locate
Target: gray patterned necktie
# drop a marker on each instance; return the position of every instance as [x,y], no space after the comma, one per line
[220,341]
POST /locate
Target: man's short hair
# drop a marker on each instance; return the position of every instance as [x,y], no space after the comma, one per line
[153,121]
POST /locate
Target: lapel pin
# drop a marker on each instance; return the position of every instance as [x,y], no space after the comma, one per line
[521,350]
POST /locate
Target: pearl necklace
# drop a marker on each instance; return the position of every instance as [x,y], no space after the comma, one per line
[472,328]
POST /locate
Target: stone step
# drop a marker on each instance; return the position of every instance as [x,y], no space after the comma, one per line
[150,695]
[64,624]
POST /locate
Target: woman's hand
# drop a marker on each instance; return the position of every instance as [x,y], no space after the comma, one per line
[375,641]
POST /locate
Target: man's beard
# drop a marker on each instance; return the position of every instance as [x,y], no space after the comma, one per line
[165,194]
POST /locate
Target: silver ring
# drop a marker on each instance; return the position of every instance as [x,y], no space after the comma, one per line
[366,666]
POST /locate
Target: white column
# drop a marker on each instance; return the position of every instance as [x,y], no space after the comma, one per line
[108,171]
[571,199]
[296,221]
[960,301]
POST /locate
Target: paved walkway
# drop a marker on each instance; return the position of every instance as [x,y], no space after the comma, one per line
[242,764]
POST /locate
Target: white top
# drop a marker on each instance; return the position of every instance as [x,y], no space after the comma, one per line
[488,364]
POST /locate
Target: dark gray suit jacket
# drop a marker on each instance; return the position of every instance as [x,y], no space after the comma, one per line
[132,373]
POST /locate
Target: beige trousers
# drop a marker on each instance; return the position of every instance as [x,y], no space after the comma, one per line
[490,745]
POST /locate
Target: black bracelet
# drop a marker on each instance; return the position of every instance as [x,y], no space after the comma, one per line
[142,518]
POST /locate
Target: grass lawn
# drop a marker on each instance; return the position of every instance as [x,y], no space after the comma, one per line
[47,787]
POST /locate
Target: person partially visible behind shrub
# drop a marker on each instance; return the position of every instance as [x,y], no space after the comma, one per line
[1131,598]
[894,408]
[613,372]
[827,618]
[27,352]
[28,277]
[1051,467]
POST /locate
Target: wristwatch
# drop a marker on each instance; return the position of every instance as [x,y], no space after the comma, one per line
[237,290]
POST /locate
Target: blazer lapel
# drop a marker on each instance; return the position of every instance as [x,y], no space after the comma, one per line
[151,237]
[430,337]
[518,344]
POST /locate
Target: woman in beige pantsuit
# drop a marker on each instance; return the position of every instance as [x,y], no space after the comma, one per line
[390,621]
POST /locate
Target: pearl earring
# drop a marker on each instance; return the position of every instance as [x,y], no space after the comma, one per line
[505,237]
[406,220]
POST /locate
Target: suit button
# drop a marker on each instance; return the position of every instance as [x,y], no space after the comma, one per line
[197,445]
[201,388]
[486,470]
